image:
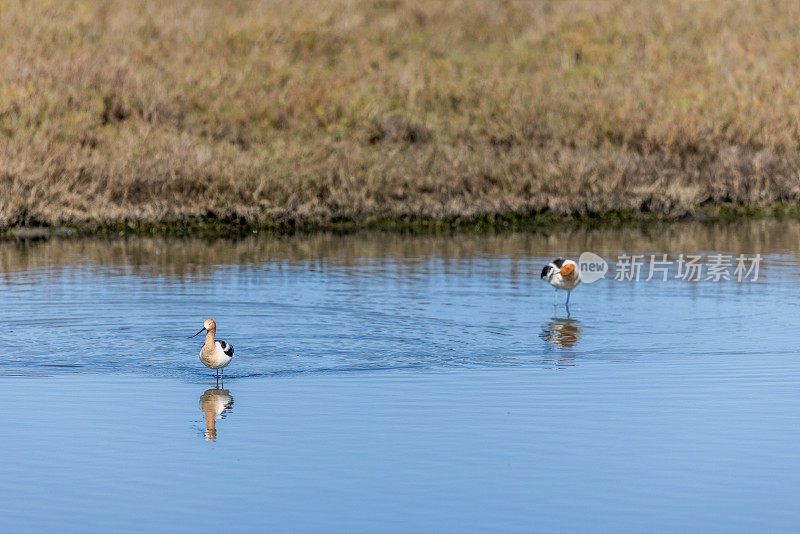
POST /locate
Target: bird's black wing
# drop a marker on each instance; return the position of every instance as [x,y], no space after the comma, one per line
[226,348]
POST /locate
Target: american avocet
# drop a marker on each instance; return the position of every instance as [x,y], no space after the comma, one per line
[562,274]
[214,354]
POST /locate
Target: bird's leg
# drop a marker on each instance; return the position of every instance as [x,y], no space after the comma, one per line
[555,298]
[568,294]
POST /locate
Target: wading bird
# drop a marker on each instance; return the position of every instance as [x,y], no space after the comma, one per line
[214,354]
[562,274]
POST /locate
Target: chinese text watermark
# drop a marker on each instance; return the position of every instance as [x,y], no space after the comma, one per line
[660,267]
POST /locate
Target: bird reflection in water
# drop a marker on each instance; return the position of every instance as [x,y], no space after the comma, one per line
[563,333]
[215,403]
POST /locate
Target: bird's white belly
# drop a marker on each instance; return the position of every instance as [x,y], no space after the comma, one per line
[567,284]
[217,359]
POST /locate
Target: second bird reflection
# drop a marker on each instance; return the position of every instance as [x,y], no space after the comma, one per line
[564,333]
[215,403]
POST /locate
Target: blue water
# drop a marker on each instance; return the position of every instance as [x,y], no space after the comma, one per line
[384,383]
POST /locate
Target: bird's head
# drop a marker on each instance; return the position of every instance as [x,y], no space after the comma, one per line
[208,326]
[558,266]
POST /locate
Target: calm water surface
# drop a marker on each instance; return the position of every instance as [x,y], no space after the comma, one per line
[384,383]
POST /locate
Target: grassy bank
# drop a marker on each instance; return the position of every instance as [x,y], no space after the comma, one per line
[296,114]
[214,227]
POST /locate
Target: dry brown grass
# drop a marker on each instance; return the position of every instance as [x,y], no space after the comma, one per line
[320,111]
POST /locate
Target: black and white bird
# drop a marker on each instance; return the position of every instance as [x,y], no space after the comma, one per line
[214,354]
[562,274]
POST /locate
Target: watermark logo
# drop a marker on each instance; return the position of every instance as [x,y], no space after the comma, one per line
[685,267]
[592,267]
